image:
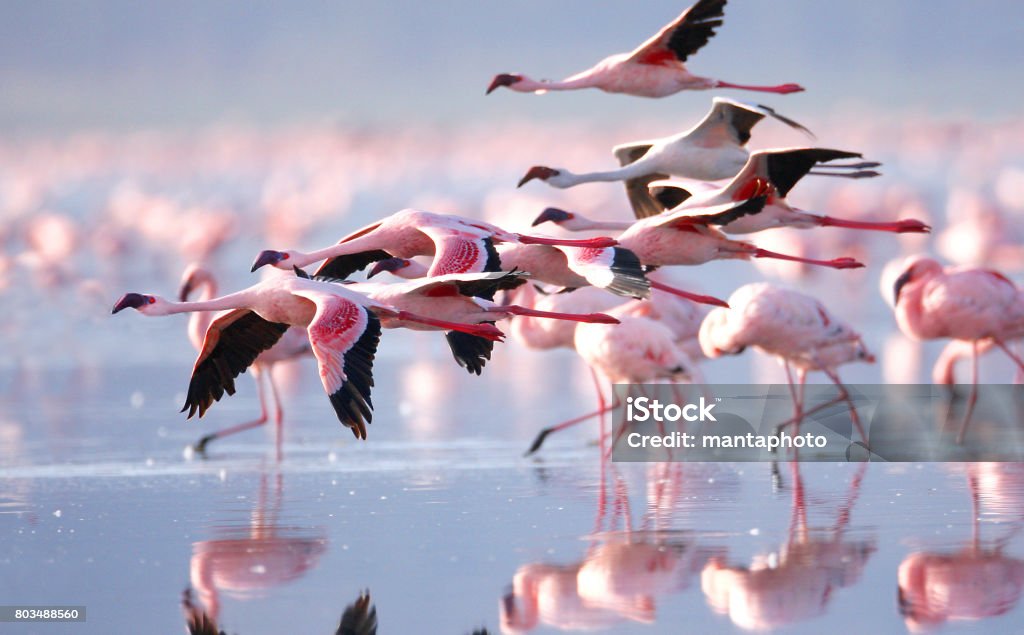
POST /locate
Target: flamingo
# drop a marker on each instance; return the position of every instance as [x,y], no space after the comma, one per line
[343,328]
[451,297]
[654,69]
[459,245]
[293,344]
[614,269]
[712,150]
[980,306]
[675,239]
[639,350]
[773,173]
[795,328]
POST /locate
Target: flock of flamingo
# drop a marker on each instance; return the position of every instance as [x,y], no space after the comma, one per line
[606,295]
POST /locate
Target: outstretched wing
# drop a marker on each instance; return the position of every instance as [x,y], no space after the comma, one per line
[736,119]
[233,342]
[470,351]
[616,269]
[787,167]
[344,338]
[684,36]
[341,267]
[457,252]
[640,198]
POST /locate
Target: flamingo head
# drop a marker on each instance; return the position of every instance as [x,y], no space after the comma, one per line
[503,79]
[391,265]
[915,269]
[143,303]
[194,277]
[541,172]
[553,215]
[280,259]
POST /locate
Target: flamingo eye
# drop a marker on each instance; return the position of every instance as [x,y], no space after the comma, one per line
[285,257]
[151,300]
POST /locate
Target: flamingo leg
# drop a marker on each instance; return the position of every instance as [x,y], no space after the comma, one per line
[593,318]
[278,413]
[781,89]
[543,435]
[845,396]
[835,263]
[200,446]
[1009,353]
[596,243]
[693,297]
[909,225]
[488,331]
[973,398]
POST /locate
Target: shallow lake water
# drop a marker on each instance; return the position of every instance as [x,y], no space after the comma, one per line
[449,528]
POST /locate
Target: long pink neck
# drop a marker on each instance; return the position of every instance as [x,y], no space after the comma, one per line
[239,300]
[580,80]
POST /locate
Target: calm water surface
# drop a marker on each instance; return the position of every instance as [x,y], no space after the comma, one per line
[449,528]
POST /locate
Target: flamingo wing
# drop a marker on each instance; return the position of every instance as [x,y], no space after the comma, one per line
[684,36]
[344,337]
[479,285]
[616,269]
[456,252]
[719,214]
[341,267]
[737,119]
[470,351]
[787,167]
[640,199]
[233,342]
[359,618]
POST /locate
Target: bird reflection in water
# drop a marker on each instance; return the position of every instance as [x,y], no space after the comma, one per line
[978,580]
[623,571]
[247,561]
[796,582]
[359,617]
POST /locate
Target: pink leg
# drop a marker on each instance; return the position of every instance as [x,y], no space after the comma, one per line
[853,410]
[539,441]
[200,445]
[781,89]
[900,227]
[1009,353]
[596,243]
[693,297]
[278,414]
[835,263]
[973,399]
[488,331]
[593,318]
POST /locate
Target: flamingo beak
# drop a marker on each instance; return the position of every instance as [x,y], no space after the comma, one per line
[899,284]
[130,301]
[552,214]
[267,257]
[391,265]
[537,172]
[504,79]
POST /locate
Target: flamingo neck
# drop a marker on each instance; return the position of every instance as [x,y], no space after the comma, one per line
[529,85]
[619,174]
[224,303]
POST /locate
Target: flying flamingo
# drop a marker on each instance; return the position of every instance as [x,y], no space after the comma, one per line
[675,239]
[712,150]
[343,328]
[294,343]
[773,173]
[614,269]
[656,68]
[459,245]
[979,306]
[793,327]
[459,298]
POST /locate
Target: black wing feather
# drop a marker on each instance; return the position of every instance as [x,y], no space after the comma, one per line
[341,267]
[359,618]
[352,401]
[699,26]
[470,351]
[786,168]
[238,346]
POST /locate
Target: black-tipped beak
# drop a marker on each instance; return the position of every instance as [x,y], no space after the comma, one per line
[267,257]
[537,172]
[504,79]
[899,284]
[552,214]
[129,301]
[391,265]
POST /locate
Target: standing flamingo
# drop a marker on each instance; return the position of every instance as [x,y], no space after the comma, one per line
[979,306]
[654,69]
[792,326]
[675,239]
[712,150]
[343,328]
[294,343]
[459,245]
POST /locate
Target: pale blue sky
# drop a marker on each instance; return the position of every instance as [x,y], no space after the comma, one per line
[126,64]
